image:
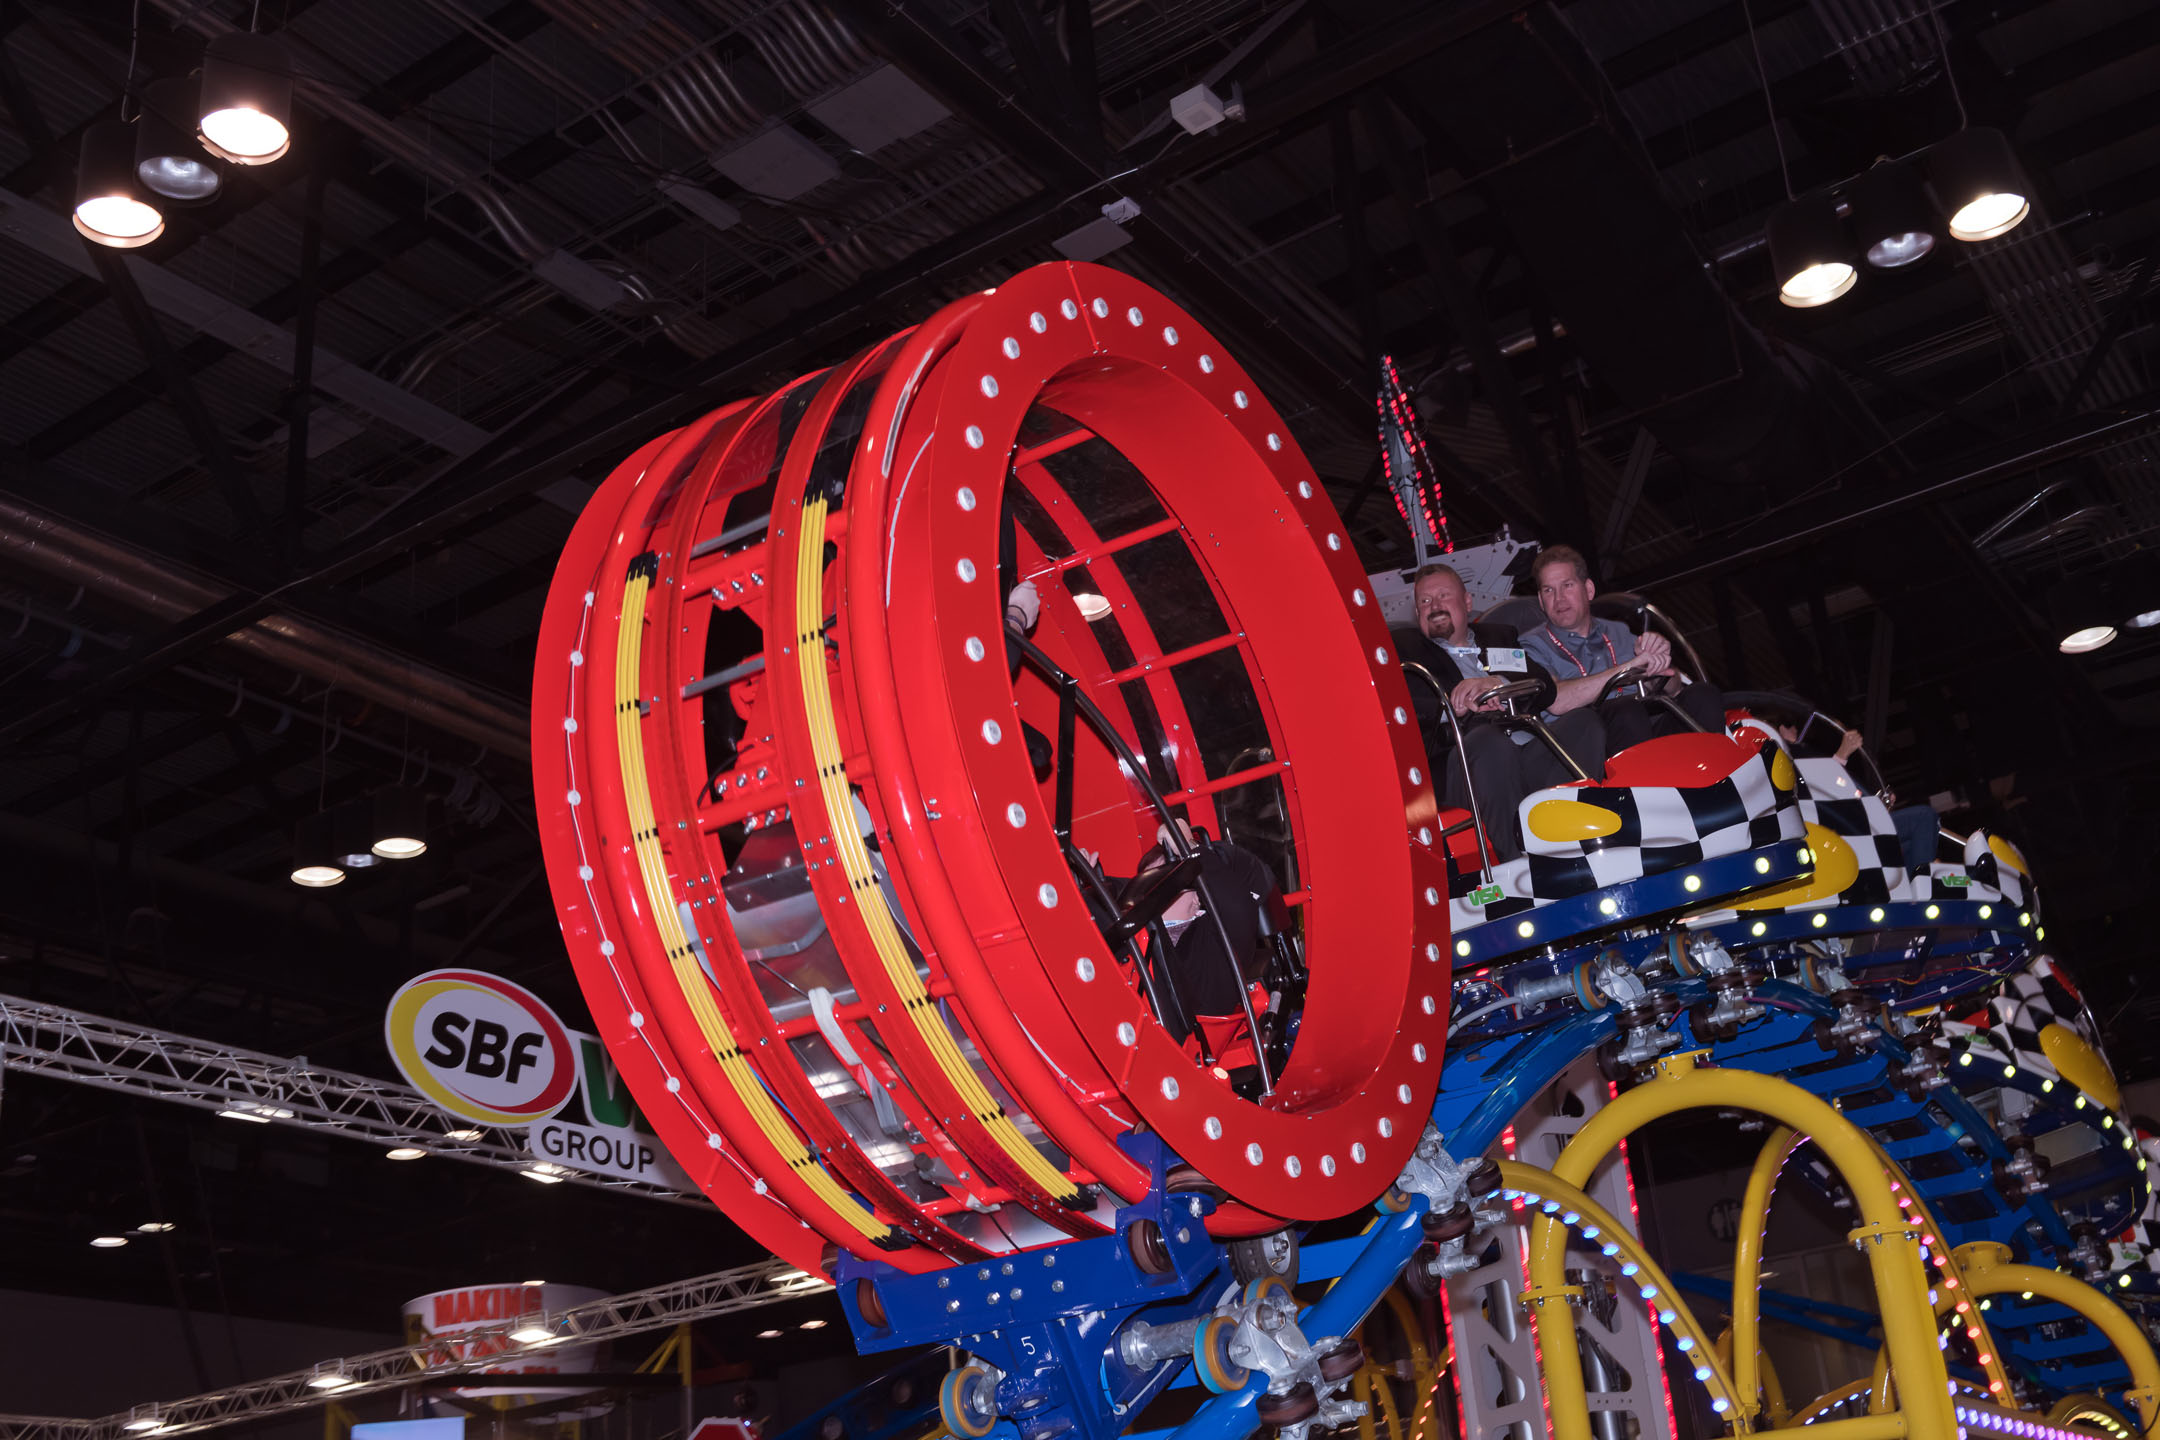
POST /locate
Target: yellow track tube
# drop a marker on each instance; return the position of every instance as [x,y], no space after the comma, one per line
[1549,1186]
[682,957]
[1988,1271]
[1774,1410]
[1747,1266]
[1893,1255]
[1948,1297]
[862,879]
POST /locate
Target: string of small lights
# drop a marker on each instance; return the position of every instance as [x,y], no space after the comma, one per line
[1540,1192]
[1401,438]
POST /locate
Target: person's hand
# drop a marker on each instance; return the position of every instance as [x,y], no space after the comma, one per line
[1469,694]
[1023,607]
[1847,744]
[1655,652]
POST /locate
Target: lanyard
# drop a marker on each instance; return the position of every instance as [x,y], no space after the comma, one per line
[1561,646]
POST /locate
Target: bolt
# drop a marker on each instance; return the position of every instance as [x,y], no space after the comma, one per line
[1006,1268]
[952,1305]
[1057,1286]
[944,1281]
[1184,1236]
[983,1274]
[1016,1292]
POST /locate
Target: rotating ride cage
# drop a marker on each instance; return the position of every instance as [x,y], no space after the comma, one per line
[833,840]
[868,874]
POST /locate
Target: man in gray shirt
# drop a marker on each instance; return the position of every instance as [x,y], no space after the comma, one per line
[1583,651]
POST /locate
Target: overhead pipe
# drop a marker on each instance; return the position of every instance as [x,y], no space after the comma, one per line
[40,541]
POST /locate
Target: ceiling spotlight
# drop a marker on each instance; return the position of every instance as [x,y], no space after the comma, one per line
[543,1172]
[405,1152]
[1809,252]
[534,1332]
[2144,620]
[811,1325]
[111,207]
[330,1375]
[400,824]
[143,1420]
[2079,610]
[768,1334]
[1891,215]
[155,1227]
[169,160]
[2086,638]
[246,99]
[315,854]
[248,1115]
[1975,175]
[351,837]
[464,1133]
[109,1242]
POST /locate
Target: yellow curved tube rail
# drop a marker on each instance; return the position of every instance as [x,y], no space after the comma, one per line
[1989,1271]
[1701,1345]
[1747,1361]
[1888,1238]
[862,879]
[682,956]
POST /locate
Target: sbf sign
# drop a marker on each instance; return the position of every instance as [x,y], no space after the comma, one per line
[481,1047]
[492,1052]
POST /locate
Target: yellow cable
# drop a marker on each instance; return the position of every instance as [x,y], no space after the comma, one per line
[862,879]
[652,865]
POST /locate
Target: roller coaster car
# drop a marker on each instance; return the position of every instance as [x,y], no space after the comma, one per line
[1677,821]
[1861,885]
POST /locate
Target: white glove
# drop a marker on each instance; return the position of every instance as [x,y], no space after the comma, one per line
[1023,606]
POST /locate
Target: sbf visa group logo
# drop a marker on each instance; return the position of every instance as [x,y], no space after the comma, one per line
[481,1047]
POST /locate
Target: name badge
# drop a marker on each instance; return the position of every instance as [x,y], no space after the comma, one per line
[1512,661]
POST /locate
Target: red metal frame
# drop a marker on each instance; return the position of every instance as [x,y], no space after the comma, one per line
[928,734]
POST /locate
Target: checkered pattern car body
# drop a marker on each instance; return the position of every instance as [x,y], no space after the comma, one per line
[1662,828]
[1976,867]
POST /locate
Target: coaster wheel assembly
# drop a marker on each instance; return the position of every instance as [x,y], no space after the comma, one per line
[830,845]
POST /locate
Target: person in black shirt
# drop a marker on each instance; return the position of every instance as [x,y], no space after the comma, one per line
[1471,661]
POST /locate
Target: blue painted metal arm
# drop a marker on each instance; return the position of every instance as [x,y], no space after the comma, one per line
[1388,1248]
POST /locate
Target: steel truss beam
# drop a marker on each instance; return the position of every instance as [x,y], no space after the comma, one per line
[66,1044]
[640,1312]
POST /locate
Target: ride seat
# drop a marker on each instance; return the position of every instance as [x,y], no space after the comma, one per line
[1229,1039]
[1462,846]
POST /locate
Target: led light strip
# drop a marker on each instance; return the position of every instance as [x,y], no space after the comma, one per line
[652,866]
[1545,1193]
[1991,1421]
[862,879]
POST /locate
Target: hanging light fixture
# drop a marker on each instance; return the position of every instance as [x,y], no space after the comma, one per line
[352,836]
[400,824]
[246,99]
[315,854]
[169,160]
[1809,252]
[2081,616]
[111,206]
[1890,215]
[1976,178]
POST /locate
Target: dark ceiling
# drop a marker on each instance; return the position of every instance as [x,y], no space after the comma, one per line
[1550,215]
